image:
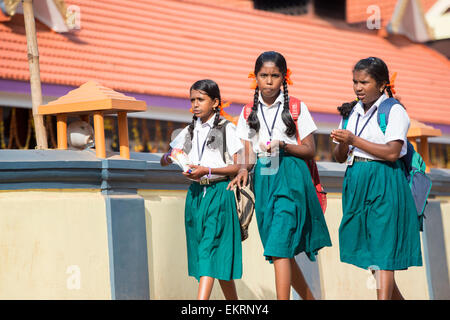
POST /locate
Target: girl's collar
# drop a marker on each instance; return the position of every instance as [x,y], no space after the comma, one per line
[280,99]
[209,123]
[360,108]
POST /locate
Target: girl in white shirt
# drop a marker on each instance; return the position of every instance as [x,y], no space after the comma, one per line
[380,227]
[213,235]
[290,219]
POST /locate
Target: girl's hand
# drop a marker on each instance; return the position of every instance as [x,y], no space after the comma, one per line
[197,173]
[274,145]
[166,159]
[269,147]
[240,180]
[343,136]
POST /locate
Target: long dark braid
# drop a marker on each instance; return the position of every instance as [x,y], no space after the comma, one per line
[389,91]
[253,121]
[346,108]
[213,137]
[286,114]
[191,127]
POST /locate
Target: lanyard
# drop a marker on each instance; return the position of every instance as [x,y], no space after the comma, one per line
[357,121]
[270,131]
[356,127]
[200,155]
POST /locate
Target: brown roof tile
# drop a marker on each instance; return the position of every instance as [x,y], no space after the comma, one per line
[161,47]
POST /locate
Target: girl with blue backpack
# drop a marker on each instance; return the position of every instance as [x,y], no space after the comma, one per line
[380,229]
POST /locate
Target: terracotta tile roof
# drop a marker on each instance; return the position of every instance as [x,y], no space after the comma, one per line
[161,47]
[92,96]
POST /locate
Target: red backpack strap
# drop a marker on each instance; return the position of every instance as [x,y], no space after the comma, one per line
[294,108]
[247,110]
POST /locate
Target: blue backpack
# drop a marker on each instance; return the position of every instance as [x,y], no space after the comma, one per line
[414,166]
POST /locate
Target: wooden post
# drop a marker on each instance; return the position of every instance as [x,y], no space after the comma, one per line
[123,134]
[35,78]
[413,142]
[99,132]
[61,129]
[424,152]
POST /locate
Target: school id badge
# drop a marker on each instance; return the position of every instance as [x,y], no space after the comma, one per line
[350,157]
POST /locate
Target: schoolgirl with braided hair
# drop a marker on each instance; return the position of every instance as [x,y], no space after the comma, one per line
[288,213]
[213,237]
[380,227]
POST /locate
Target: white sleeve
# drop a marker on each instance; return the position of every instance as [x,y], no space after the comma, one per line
[178,138]
[242,129]
[339,127]
[234,143]
[306,124]
[398,124]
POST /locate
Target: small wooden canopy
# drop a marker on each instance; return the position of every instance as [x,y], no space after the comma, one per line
[419,130]
[94,99]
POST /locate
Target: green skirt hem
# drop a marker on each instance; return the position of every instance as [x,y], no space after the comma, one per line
[386,264]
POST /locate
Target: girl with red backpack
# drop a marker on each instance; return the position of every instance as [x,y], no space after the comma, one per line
[288,213]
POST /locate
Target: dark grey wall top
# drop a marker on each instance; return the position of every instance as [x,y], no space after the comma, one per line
[49,169]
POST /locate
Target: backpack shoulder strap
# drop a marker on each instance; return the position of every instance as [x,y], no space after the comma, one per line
[222,126]
[384,110]
[345,119]
[294,107]
[247,110]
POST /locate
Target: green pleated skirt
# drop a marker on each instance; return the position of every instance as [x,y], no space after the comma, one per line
[213,235]
[288,212]
[380,226]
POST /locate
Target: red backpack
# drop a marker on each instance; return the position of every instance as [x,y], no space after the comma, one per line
[294,108]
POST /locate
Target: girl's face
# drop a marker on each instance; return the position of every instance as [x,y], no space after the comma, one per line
[366,88]
[269,80]
[202,105]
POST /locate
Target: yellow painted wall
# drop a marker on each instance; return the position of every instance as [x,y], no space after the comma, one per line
[344,281]
[168,261]
[167,257]
[445,209]
[53,245]
[48,238]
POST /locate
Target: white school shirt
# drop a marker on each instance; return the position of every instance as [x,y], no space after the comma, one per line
[306,124]
[396,128]
[211,158]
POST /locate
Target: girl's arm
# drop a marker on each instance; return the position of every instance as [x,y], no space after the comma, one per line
[340,152]
[165,160]
[246,159]
[386,151]
[307,150]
